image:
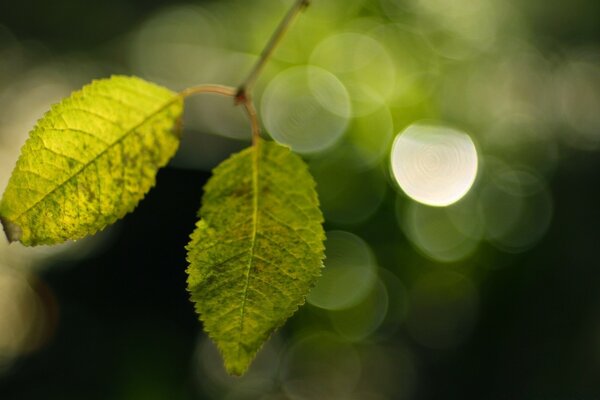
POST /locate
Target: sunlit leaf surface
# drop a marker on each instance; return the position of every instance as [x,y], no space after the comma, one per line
[257,250]
[90,160]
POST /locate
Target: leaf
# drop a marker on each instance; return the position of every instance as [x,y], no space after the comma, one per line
[257,250]
[90,160]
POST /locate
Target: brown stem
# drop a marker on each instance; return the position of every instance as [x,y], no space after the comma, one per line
[217,89]
[240,98]
[251,111]
[243,94]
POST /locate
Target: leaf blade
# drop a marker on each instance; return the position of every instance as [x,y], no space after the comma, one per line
[108,138]
[256,251]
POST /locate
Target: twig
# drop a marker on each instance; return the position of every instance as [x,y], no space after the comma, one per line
[280,31]
[243,94]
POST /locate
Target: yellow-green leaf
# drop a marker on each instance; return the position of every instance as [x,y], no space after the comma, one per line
[257,250]
[90,160]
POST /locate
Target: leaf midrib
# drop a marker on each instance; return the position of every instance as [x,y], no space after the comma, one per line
[255,166]
[93,160]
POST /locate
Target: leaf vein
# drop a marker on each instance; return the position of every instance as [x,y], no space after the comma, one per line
[255,175]
[94,159]
[81,131]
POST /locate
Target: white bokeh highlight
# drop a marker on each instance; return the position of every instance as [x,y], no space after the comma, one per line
[434,165]
[306,108]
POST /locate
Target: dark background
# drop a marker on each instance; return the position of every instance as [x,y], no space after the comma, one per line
[126,329]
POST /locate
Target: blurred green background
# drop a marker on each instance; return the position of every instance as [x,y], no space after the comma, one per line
[495,296]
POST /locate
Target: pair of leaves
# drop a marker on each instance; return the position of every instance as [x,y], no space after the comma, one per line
[258,247]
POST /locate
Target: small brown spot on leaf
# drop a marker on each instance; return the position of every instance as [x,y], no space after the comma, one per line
[13,231]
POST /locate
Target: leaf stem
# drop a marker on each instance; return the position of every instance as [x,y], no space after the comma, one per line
[217,89]
[252,115]
[239,99]
[280,31]
[243,94]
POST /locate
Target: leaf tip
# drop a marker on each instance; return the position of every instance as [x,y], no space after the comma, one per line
[12,231]
[237,357]
[236,367]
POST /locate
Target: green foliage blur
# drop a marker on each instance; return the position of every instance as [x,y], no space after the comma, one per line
[492,297]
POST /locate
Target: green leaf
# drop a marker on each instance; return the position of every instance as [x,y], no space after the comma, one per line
[257,250]
[90,160]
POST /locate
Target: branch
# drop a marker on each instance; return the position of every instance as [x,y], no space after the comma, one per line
[275,39]
[243,94]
